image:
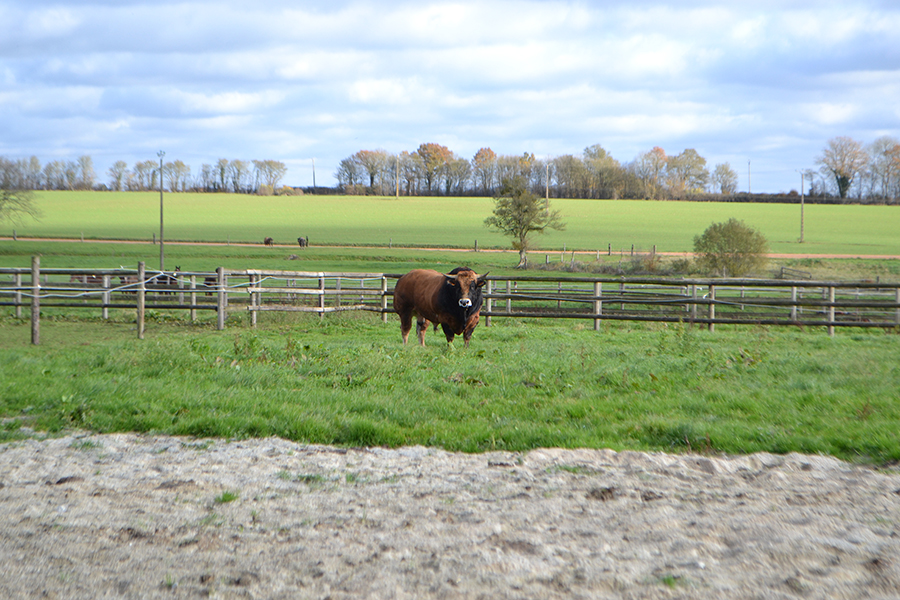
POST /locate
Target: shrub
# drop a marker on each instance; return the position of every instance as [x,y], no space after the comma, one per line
[730,249]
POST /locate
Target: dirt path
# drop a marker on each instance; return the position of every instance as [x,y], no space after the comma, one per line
[579,252]
[141,517]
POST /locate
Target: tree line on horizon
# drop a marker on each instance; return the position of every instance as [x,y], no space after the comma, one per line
[847,169]
[234,176]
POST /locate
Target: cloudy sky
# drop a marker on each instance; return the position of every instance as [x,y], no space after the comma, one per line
[769,82]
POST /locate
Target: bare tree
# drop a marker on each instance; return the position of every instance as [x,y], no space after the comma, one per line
[177,174]
[843,158]
[145,174]
[86,174]
[456,174]
[884,164]
[724,179]
[117,174]
[269,172]
[650,168]
[238,170]
[349,173]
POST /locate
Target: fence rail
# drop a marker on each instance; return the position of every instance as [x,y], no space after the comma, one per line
[707,302]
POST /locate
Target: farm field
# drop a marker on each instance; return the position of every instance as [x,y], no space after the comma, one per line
[346,379]
[451,222]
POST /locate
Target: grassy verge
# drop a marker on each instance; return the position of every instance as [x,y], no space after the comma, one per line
[346,379]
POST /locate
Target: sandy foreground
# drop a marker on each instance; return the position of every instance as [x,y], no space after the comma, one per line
[131,516]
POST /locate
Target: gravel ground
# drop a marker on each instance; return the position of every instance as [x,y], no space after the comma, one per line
[130,516]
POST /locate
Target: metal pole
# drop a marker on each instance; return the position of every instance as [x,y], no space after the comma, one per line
[141,299]
[162,252]
[35,300]
[801,207]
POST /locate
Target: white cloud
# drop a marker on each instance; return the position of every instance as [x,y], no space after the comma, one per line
[328,78]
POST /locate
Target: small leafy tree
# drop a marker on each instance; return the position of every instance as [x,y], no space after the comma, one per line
[730,249]
[518,213]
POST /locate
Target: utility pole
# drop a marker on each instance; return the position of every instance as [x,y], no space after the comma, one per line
[314,175]
[162,252]
[801,207]
[547,181]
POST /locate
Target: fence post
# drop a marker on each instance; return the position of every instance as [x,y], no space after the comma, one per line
[694,303]
[254,299]
[193,298]
[18,295]
[598,304]
[384,316]
[831,311]
[508,297]
[794,306]
[105,297]
[220,299]
[712,308]
[322,295]
[35,300]
[897,300]
[140,300]
[337,289]
[490,303]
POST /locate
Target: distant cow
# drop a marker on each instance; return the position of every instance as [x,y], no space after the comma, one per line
[211,283]
[86,279]
[169,280]
[452,300]
[303,241]
[268,242]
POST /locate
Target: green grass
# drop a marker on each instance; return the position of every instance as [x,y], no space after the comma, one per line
[346,379]
[451,222]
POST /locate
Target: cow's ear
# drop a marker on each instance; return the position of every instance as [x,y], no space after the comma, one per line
[480,281]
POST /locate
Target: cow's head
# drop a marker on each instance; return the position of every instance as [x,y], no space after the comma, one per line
[465,282]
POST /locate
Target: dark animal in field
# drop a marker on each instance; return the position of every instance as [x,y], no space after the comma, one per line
[303,241]
[451,300]
[168,280]
[129,281]
[210,283]
[268,242]
[86,279]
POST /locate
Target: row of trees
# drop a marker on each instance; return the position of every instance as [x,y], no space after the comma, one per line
[847,168]
[239,176]
[853,169]
[435,169]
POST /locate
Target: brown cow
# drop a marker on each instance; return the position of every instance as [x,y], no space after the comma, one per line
[268,242]
[452,300]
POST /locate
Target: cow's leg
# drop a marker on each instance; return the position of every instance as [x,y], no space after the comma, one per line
[448,332]
[421,328]
[470,329]
[405,325]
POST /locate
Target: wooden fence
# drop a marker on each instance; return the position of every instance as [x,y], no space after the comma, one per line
[706,302]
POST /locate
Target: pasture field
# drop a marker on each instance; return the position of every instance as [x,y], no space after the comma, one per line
[346,379]
[207,257]
[451,222]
